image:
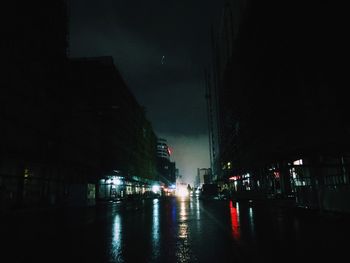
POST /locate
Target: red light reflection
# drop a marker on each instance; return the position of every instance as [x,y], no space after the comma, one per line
[234,222]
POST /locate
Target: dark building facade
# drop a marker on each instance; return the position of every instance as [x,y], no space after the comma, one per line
[282,121]
[119,139]
[66,123]
[34,46]
[100,98]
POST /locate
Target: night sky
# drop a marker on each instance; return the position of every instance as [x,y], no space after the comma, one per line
[161,48]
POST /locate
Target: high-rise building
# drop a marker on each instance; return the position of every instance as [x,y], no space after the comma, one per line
[279,100]
[163,150]
[166,168]
[34,43]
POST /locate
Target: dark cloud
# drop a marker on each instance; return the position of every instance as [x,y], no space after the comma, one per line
[138,34]
[184,115]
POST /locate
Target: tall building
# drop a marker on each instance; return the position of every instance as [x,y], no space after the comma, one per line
[163,150]
[279,108]
[166,168]
[65,123]
[109,130]
[34,44]
[108,123]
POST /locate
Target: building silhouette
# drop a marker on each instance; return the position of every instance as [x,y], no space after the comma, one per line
[166,168]
[66,124]
[282,123]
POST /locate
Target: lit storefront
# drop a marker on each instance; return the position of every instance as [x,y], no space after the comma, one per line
[113,187]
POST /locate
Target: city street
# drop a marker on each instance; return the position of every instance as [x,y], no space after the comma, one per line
[174,131]
[173,230]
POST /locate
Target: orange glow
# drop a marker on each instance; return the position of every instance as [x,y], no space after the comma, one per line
[234,222]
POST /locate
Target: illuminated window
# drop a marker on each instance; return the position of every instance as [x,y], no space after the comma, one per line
[298,162]
[26,173]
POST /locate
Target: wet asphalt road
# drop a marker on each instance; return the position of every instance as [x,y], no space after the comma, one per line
[174,230]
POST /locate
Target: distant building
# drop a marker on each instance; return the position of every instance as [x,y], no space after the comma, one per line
[203,177]
[166,168]
[163,150]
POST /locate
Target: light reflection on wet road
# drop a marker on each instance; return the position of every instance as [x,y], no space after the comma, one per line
[173,230]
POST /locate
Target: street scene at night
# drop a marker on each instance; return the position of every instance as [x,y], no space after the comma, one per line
[174,131]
